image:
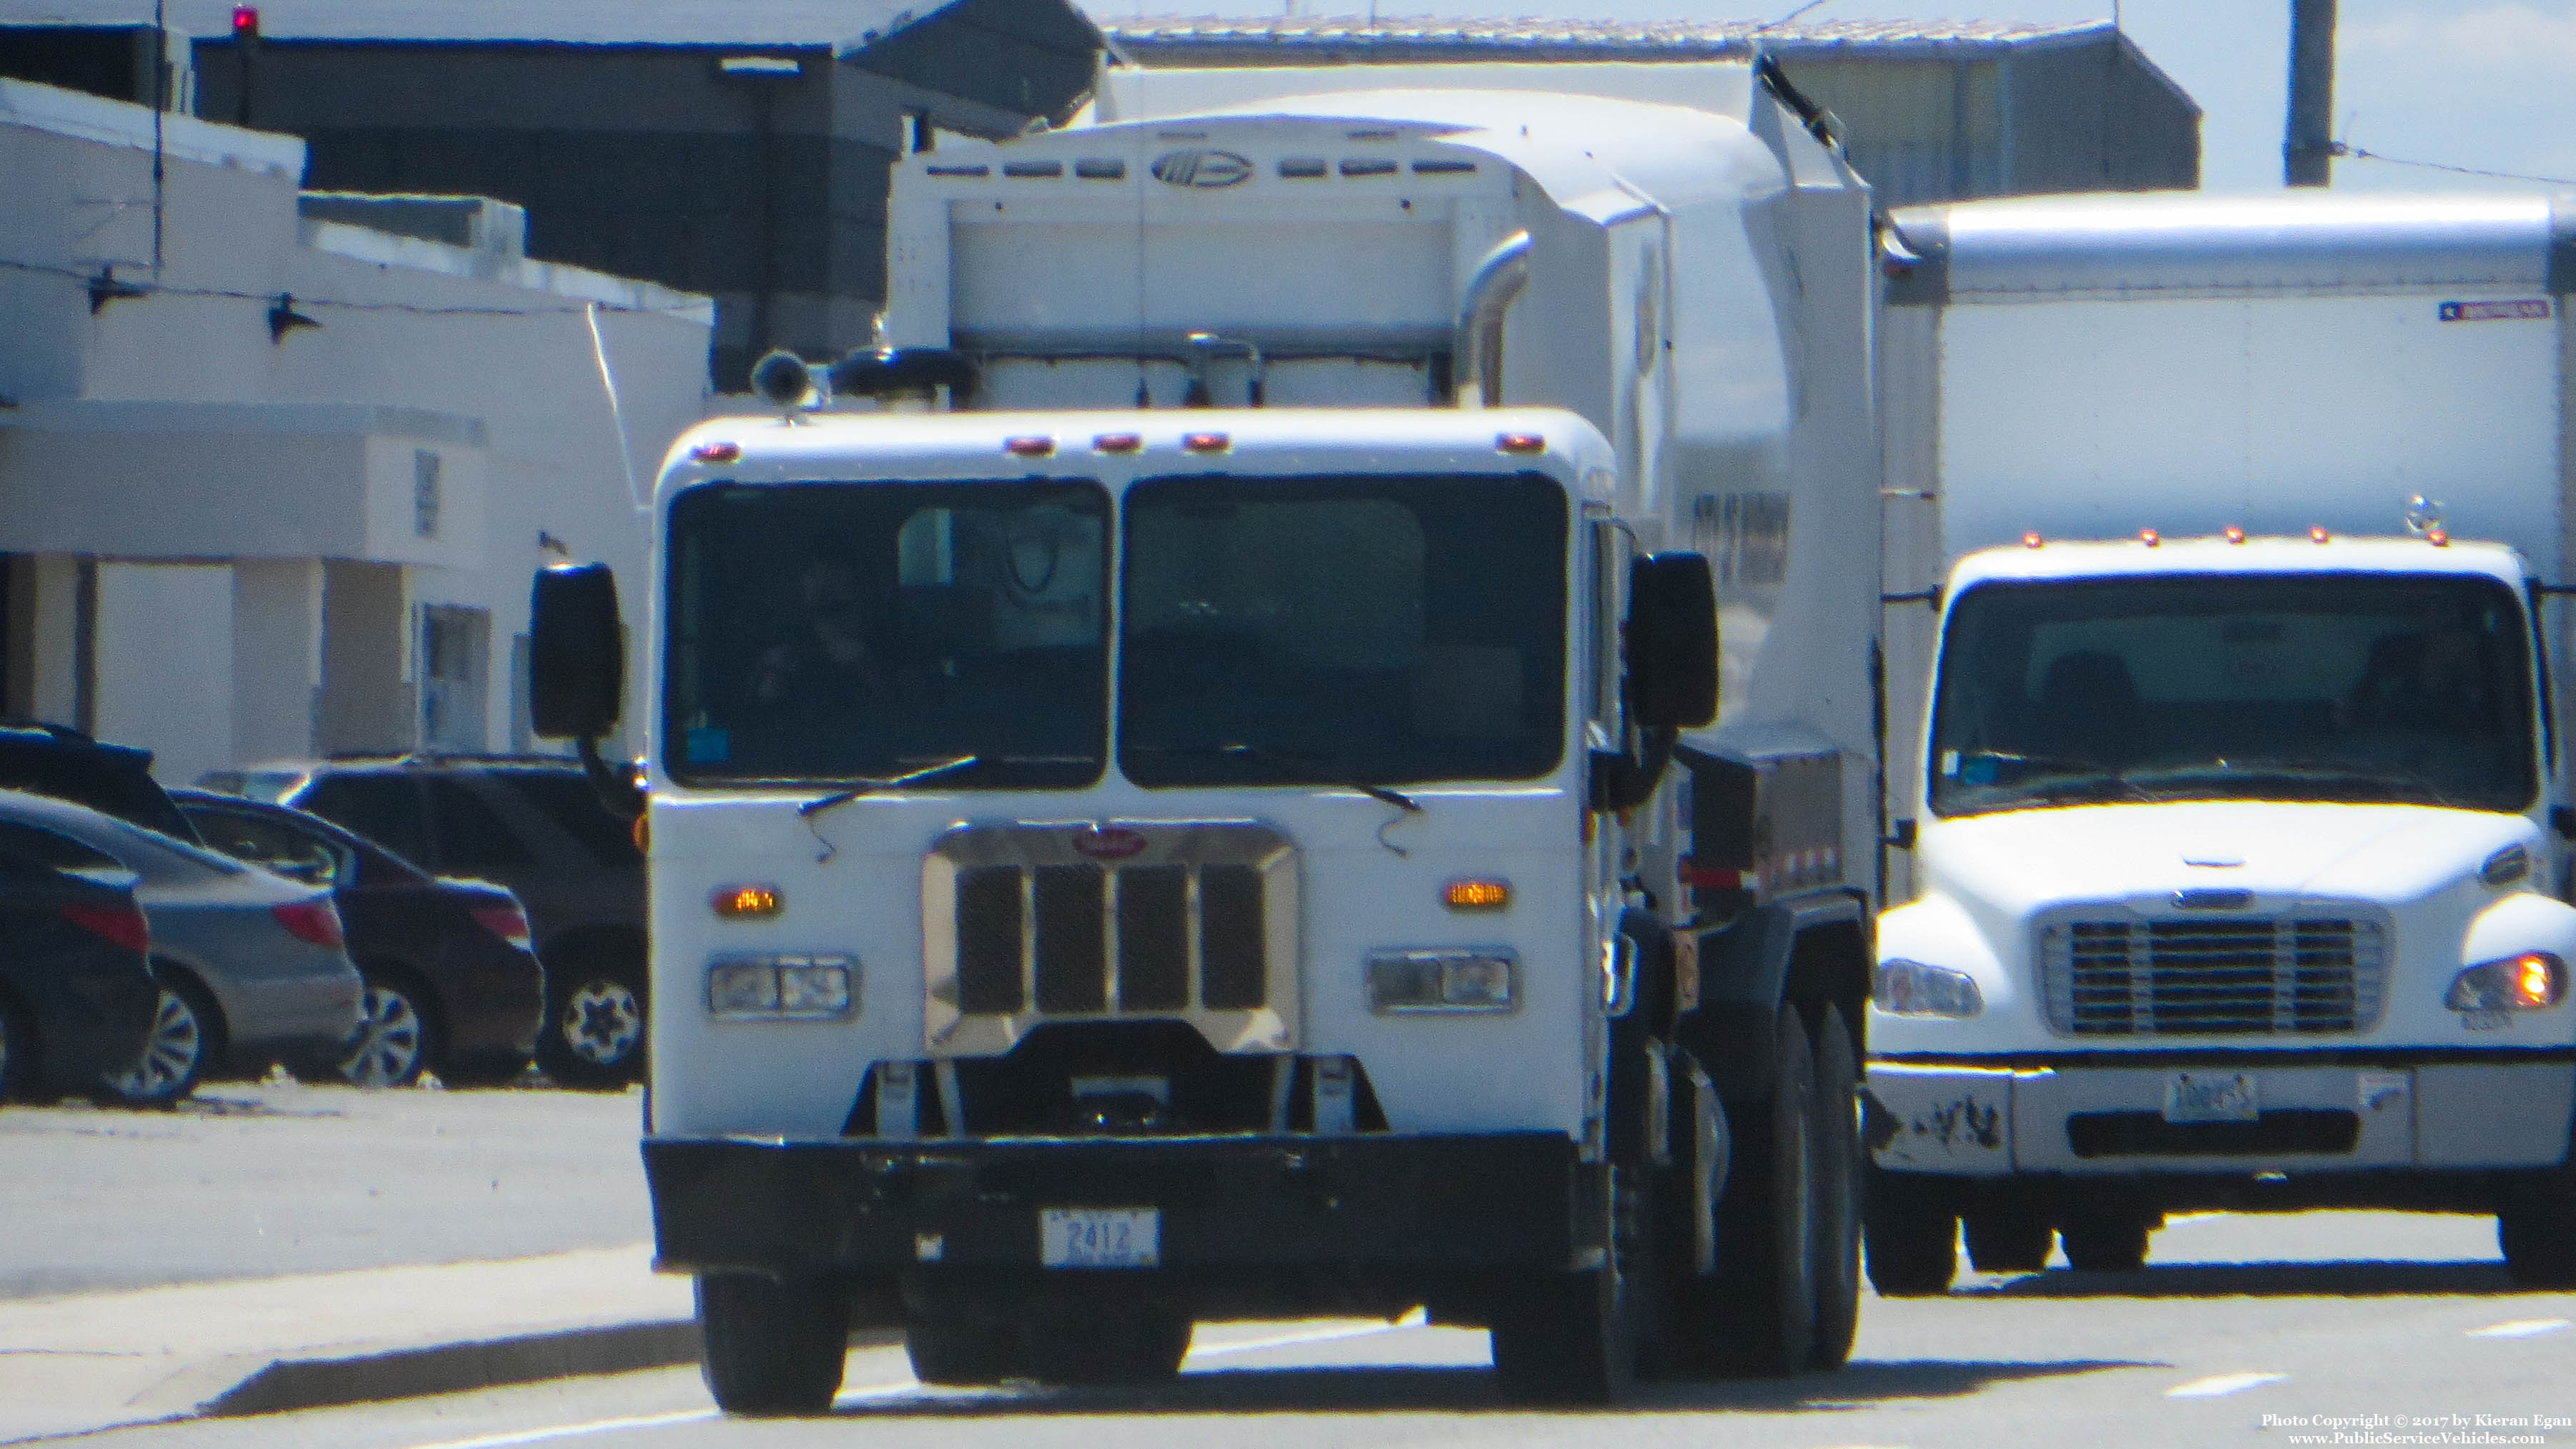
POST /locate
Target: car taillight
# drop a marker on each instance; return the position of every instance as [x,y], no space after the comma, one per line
[314,921]
[507,922]
[122,924]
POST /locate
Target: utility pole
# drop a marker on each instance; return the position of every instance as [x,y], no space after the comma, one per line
[2307,150]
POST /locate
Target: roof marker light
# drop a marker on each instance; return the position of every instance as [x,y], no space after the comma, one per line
[2031,539]
[2150,537]
[2318,534]
[1206,442]
[1033,447]
[1118,442]
[2439,538]
[716,453]
[1521,443]
[2235,534]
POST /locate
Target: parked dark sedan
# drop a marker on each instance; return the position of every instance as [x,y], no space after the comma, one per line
[452,984]
[76,988]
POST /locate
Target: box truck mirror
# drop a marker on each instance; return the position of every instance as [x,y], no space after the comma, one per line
[1672,642]
[576,652]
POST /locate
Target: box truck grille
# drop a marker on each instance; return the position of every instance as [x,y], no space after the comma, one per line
[2236,976]
[1027,924]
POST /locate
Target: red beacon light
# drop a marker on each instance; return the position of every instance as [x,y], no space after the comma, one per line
[245,22]
[1031,447]
[2439,538]
[1118,442]
[2235,534]
[2031,539]
[1521,443]
[2318,534]
[1207,442]
[716,453]
[2150,537]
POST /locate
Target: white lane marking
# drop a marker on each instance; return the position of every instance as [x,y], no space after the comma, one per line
[2519,1328]
[2219,1385]
[1414,1319]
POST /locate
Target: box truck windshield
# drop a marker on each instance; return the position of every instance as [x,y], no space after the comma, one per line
[2331,687]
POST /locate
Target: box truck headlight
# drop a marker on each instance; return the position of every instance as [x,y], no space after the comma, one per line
[2528,982]
[753,988]
[1910,988]
[1403,982]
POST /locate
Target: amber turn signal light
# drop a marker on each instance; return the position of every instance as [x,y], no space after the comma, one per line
[748,902]
[1477,895]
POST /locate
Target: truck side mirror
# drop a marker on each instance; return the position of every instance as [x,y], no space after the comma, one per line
[1672,642]
[576,652]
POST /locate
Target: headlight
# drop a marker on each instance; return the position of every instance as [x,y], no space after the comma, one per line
[1910,988]
[782,987]
[2528,982]
[1411,981]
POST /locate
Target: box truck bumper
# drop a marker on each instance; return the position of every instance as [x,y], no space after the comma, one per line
[2230,1114]
[1411,1203]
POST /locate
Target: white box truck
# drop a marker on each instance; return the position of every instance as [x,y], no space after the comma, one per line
[2238,813]
[1212,801]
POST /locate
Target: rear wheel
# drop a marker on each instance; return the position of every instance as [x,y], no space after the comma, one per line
[772,1346]
[1911,1236]
[396,1038]
[2101,1243]
[594,1034]
[1766,1290]
[2009,1240]
[181,1046]
[1837,1159]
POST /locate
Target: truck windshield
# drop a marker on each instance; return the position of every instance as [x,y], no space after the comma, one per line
[834,632]
[1354,630]
[2344,687]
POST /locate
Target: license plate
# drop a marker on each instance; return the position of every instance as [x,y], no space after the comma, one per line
[2212,1097]
[1100,1237]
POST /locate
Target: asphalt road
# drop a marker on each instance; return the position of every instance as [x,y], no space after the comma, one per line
[2237,1319]
[258,1181]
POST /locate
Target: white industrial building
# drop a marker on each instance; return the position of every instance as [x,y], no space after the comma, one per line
[272,483]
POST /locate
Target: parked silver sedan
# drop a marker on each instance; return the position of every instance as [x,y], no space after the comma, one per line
[252,966]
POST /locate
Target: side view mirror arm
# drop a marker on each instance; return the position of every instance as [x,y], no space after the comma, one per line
[616,788]
[1623,781]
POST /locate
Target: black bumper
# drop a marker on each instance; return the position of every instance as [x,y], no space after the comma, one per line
[1437,1203]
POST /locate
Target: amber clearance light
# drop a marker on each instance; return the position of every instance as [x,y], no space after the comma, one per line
[1477,895]
[748,902]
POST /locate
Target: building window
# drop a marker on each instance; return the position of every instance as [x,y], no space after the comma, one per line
[424,493]
[455,649]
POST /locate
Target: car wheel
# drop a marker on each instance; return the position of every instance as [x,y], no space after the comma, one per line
[185,1028]
[594,1034]
[395,1039]
[1910,1238]
[2099,1243]
[2009,1240]
[772,1346]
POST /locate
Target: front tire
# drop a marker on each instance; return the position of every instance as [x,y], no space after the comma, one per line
[1911,1236]
[186,1029]
[1574,1338]
[773,1347]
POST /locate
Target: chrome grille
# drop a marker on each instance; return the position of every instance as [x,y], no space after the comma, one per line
[2229,976]
[1025,924]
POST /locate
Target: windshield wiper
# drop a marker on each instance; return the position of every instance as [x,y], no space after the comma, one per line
[857,788]
[1332,774]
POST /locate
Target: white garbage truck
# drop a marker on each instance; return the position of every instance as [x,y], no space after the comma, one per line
[2224,538]
[1210,800]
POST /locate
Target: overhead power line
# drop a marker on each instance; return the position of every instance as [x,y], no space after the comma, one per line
[2358,154]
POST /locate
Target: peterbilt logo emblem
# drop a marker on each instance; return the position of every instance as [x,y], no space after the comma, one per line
[1111,844]
[1204,170]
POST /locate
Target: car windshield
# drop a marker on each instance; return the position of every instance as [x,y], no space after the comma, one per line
[2343,687]
[1359,629]
[838,632]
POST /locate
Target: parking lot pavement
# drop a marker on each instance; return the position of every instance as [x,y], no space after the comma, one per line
[260,1181]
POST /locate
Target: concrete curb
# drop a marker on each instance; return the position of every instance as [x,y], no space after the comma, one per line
[317,1383]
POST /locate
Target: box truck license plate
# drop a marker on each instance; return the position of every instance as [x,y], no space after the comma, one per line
[1100,1237]
[2212,1097]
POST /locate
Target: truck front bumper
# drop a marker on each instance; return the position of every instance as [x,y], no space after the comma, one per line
[864,1206]
[2334,1111]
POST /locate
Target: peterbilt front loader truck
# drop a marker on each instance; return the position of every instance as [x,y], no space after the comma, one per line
[1209,800]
